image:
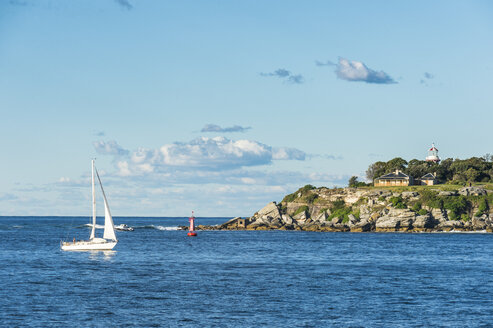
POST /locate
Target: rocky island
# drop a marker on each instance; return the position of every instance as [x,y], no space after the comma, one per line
[411,209]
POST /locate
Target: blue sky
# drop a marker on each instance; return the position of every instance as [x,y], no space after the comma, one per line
[223,106]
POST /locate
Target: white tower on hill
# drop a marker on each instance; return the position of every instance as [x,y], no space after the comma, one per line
[433,154]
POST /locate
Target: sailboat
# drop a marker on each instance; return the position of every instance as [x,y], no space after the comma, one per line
[109,237]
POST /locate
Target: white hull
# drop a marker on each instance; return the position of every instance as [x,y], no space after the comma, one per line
[109,237]
[124,227]
[88,245]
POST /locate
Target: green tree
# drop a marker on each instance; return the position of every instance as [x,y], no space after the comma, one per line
[472,174]
[375,170]
[353,182]
[417,168]
[396,164]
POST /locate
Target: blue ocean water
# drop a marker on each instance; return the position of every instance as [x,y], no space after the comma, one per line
[159,277]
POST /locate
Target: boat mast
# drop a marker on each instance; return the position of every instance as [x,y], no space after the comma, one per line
[93,205]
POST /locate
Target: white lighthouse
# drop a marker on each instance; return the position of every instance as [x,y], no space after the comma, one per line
[433,154]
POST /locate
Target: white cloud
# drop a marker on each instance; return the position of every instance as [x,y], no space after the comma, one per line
[286,75]
[288,153]
[109,148]
[217,128]
[123,169]
[209,154]
[352,70]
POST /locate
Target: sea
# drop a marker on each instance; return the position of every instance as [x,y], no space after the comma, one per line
[158,277]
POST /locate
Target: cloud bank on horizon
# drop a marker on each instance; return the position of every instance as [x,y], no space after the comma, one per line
[210,154]
[217,128]
[213,165]
[286,76]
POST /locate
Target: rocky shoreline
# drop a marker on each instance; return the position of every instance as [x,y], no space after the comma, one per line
[369,210]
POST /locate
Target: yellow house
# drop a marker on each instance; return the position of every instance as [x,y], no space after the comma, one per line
[428,179]
[396,178]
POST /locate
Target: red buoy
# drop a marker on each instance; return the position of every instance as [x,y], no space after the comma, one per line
[191,230]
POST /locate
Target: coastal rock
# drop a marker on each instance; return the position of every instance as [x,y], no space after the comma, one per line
[451,225]
[374,217]
[387,223]
[287,219]
[448,193]
[409,194]
[235,223]
[339,227]
[392,223]
[478,223]
[439,214]
[270,210]
[336,220]
[364,210]
[352,220]
[276,223]
[472,191]
[362,226]
[301,217]
[315,211]
[384,193]
[322,217]
[423,223]
[254,225]
[401,213]
[311,227]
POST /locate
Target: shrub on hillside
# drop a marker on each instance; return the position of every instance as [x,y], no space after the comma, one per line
[456,205]
[483,207]
[311,198]
[398,202]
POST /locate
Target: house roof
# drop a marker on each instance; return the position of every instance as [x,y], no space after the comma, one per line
[428,176]
[394,176]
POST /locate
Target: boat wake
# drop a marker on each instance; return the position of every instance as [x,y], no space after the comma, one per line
[124,227]
[98,226]
[158,227]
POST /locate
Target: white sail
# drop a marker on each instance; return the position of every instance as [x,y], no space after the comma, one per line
[109,228]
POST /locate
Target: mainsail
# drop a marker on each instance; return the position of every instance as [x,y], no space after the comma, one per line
[109,229]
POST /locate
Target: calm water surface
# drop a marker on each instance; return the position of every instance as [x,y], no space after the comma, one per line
[159,277]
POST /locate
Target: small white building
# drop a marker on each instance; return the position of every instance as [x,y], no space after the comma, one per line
[428,179]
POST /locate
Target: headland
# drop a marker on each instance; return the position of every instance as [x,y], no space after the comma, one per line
[371,209]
